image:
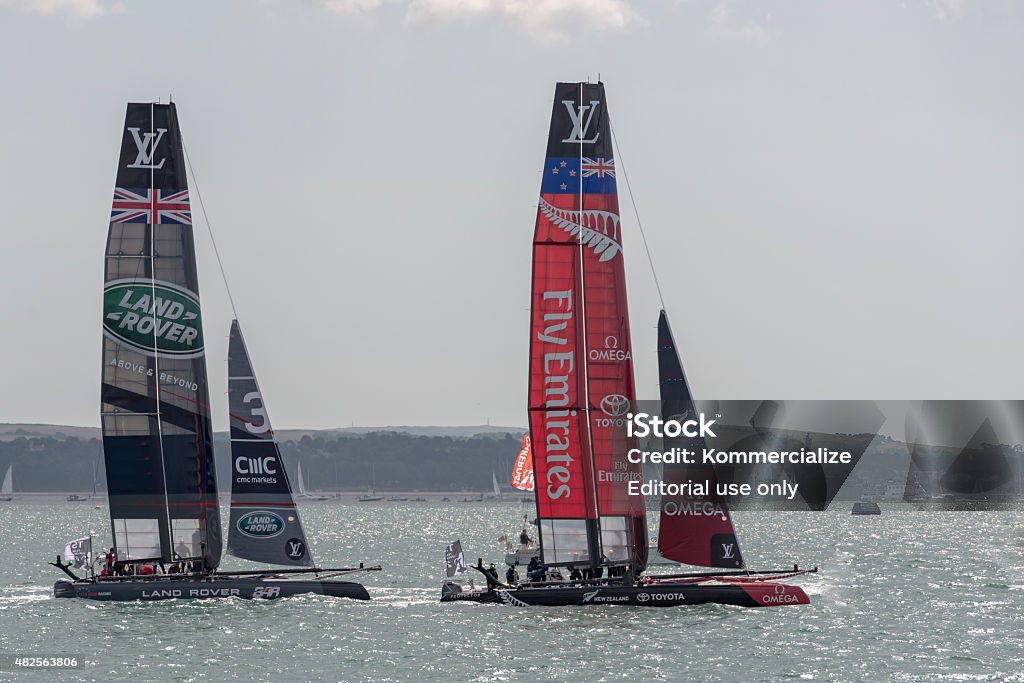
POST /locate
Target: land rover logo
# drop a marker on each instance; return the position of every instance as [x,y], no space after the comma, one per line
[260,524]
[153,317]
[614,405]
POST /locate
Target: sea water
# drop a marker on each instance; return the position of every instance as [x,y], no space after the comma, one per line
[905,596]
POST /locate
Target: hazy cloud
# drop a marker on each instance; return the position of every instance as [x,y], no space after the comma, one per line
[727,22]
[948,10]
[352,6]
[544,19]
[78,8]
[541,18]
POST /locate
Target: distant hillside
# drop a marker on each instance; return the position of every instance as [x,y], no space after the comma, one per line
[11,431]
[331,459]
[14,430]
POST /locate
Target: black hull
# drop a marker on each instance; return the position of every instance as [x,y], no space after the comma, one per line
[760,594]
[187,589]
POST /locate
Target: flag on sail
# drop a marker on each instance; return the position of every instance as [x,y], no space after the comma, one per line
[79,552]
[454,560]
[522,471]
[150,205]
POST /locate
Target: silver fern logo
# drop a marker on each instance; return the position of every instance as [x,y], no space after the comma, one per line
[587,597]
[596,229]
[509,599]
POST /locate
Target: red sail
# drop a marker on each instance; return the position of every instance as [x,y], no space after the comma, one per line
[522,470]
[558,425]
[579,310]
[610,386]
[694,529]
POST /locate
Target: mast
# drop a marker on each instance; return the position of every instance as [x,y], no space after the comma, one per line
[694,530]
[581,377]
[611,390]
[157,432]
[265,524]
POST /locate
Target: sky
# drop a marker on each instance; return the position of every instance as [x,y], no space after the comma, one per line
[830,191]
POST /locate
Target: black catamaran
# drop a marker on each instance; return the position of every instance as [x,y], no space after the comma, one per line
[580,390]
[157,430]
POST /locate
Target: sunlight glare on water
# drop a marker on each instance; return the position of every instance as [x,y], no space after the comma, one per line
[906,596]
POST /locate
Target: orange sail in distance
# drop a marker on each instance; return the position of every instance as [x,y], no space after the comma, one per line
[522,471]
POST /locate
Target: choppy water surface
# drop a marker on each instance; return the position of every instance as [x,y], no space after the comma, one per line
[907,596]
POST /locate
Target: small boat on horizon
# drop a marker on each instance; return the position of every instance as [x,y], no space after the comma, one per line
[302,493]
[7,488]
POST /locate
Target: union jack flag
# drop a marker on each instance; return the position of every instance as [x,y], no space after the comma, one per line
[598,167]
[153,206]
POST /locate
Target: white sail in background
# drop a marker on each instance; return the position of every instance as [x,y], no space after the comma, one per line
[301,488]
[8,485]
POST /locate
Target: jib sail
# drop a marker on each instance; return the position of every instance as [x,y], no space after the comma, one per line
[265,524]
[694,530]
[157,436]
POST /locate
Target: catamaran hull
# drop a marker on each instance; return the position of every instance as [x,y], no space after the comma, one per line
[265,589]
[755,594]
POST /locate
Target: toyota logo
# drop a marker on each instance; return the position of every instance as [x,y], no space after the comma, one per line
[614,405]
[643,597]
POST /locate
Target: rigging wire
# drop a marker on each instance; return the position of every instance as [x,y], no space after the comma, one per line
[231,299]
[209,229]
[621,165]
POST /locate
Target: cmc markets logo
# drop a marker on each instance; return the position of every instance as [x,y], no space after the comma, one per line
[610,352]
[153,317]
[260,524]
[614,405]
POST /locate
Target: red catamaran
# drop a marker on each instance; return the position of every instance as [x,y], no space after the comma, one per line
[580,390]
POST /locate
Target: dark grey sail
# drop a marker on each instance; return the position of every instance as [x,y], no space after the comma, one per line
[157,436]
[265,524]
[695,530]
